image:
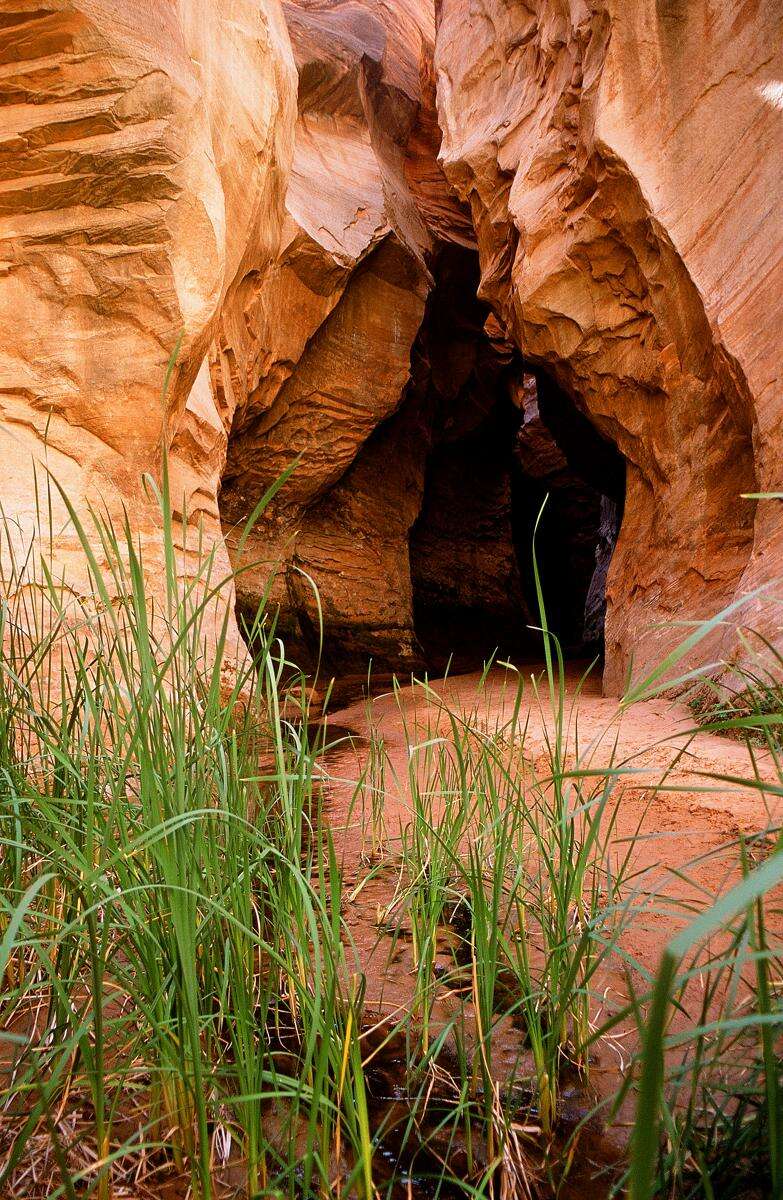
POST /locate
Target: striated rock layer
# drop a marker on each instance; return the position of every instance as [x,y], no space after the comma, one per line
[524,246]
[143,165]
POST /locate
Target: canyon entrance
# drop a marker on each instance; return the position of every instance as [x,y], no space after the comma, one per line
[420,554]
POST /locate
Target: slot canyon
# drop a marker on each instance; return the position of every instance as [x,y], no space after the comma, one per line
[349,351]
[454,258]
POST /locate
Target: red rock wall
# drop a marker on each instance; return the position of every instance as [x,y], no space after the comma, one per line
[321,356]
[617,169]
[144,160]
[622,165]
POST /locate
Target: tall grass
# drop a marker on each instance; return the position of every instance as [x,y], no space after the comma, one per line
[173,956]
[182,998]
[517,860]
[709,1112]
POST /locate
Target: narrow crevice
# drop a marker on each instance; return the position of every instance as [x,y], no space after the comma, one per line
[569,480]
[509,451]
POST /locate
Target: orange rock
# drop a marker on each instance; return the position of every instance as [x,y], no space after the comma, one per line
[615,166]
[320,354]
[143,161]
[622,164]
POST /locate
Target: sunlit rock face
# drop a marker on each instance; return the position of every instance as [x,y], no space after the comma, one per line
[622,163]
[365,224]
[144,160]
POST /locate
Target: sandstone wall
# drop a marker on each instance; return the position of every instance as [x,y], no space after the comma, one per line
[622,164]
[319,355]
[144,160]
[616,168]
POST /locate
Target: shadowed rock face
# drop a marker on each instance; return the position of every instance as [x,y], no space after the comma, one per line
[605,176]
[328,336]
[570,482]
[382,377]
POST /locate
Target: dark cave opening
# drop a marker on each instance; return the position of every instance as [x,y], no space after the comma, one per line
[471,547]
[468,590]
[420,553]
[513,440]
[566,471]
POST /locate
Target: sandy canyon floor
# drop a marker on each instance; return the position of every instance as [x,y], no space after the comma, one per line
[676,799]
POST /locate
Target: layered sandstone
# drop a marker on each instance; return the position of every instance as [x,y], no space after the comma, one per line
[144,161]
[606,176]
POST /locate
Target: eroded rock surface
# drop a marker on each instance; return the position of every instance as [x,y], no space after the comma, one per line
[606,175]
[320,356]
[622,164]
[144,160]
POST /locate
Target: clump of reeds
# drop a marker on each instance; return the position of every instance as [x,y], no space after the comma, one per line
[180,991]
[172,950]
